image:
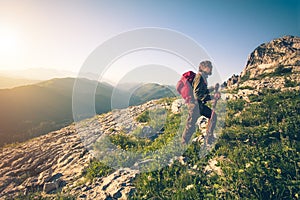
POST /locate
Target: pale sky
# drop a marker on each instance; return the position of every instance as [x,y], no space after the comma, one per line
[61,34]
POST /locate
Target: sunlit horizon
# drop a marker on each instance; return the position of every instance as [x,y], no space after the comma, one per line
[60,35]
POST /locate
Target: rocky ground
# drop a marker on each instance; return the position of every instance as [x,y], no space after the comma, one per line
[58,159]
[45,163]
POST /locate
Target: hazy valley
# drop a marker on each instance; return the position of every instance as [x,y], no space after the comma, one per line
[33,110]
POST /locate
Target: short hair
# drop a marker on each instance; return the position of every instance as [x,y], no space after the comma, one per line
[205,63]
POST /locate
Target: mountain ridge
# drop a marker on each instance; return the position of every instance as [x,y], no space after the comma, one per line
[8,83]
[37,109]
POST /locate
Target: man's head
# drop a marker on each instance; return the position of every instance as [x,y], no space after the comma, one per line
[205,67]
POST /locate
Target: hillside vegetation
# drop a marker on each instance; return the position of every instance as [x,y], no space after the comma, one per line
[258,153]
[34,110]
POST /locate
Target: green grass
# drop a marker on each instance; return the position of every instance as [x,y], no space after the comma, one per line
[97,169]
[125,150]
[260,146]
[259,143]
[144,117]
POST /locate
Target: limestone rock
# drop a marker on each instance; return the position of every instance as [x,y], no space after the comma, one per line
[176,105]
[212,166]
[57,160]
[48,187]
[117,185]
[273,65]
[265,58]
[232,80]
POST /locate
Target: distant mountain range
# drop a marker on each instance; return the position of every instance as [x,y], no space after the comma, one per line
[37,73]
[151,91]
[8,82]
[33,110]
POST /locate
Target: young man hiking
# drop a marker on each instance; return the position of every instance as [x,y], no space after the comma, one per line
[196,106]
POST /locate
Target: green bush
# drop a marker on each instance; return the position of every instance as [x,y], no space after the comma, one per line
[247,87]
[97,169]
[281,70]
[144,117]
[289,83]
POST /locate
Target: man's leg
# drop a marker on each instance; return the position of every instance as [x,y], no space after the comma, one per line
[205,111]
[193,115]
[212,116]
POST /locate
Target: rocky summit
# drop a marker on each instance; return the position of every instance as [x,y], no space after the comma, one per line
[272,65]
[267,57]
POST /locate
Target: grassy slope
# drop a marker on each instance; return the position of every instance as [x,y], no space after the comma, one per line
[258,153]
[260,150]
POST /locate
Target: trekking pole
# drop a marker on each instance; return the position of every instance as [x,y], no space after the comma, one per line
[211,121]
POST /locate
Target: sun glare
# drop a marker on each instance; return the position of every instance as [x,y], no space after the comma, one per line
[8,42]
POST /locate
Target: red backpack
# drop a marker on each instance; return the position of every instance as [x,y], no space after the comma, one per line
[184,86]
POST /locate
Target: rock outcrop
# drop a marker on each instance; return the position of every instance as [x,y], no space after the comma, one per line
[231,81]
[272,65]
[267,57]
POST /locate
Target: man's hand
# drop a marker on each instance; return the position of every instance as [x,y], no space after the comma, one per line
[217,95]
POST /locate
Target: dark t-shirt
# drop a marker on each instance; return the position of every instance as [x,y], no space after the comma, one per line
[201,92]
